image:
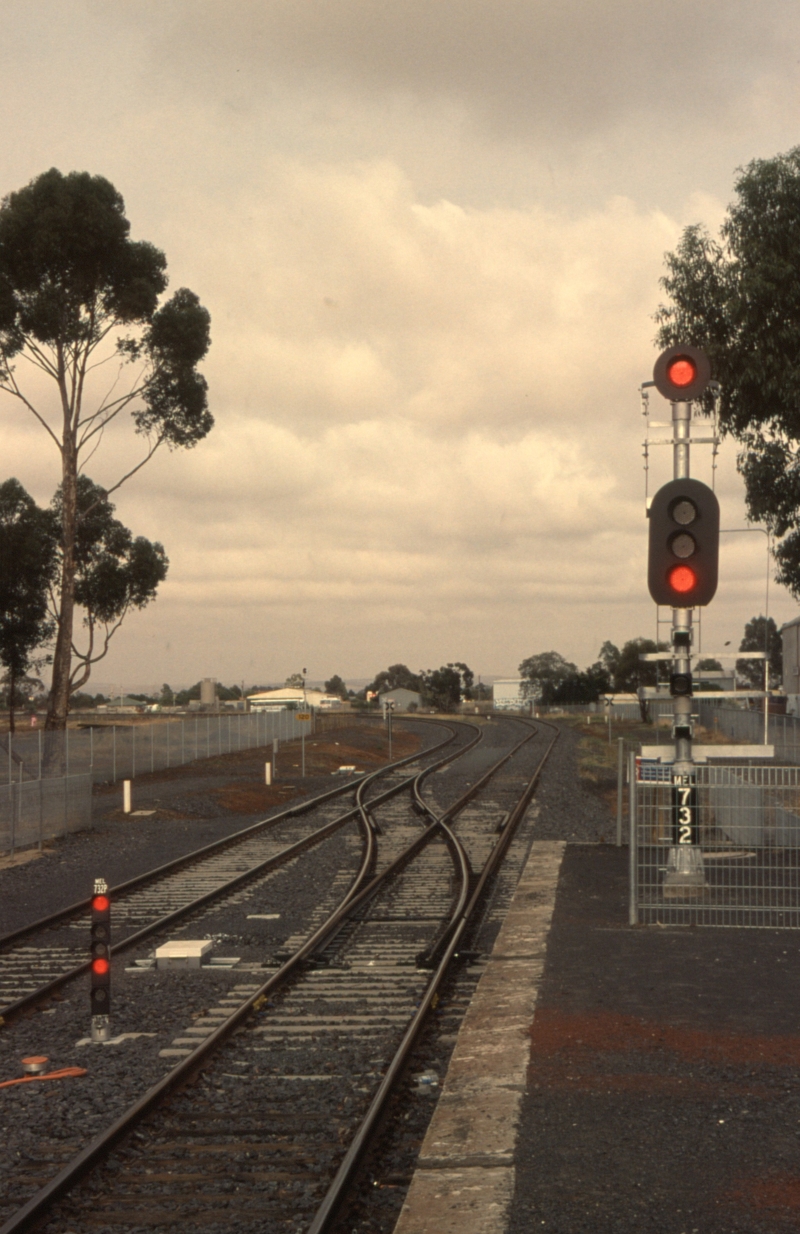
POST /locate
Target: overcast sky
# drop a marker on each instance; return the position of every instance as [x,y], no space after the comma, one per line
[430,234]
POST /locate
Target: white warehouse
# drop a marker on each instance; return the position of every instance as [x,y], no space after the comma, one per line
[508,694]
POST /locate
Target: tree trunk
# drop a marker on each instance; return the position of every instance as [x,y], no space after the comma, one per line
[58,705]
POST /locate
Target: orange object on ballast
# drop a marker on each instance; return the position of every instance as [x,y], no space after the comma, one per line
[63,1074]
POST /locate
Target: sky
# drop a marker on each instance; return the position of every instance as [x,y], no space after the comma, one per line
[430,235]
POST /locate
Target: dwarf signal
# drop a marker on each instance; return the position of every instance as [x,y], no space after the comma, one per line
[101,950]
[684,544]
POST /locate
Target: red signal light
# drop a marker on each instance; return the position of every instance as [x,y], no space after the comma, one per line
[682,371]
[101,904]
[682,579]
[100,966]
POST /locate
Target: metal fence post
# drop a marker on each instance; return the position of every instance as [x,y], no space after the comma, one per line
[152,746]
[40,753]
[620,786]
[113,753]
[13,812]
[133,751]
[633,904]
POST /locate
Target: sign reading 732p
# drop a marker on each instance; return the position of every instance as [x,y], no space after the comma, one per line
[684,808]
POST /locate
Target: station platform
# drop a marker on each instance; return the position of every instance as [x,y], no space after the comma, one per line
[621,1079]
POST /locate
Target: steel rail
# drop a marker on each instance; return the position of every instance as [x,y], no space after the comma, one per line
[38,1204]
[416,846]
[338,1187]
[428,957]
[262,867]
[301,807]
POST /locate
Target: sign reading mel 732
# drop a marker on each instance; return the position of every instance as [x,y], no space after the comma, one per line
[684,808]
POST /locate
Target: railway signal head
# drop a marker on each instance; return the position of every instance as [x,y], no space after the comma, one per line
[682,373]
[101,951]
[683,554]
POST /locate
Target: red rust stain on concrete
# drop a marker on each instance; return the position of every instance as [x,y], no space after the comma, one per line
[779,1191]
[556,1034]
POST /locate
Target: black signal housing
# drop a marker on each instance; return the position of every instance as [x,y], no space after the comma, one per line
[101,954]
[683,556]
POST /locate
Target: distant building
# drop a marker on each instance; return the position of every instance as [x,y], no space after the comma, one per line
[790,640]
[508,694]
[291,696]
[404,700]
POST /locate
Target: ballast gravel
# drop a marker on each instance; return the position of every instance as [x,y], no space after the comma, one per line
[45,1122]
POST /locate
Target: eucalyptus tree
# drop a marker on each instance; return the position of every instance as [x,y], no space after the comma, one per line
[738,297]
[80,316]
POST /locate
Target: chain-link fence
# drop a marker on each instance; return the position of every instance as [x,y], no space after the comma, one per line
[748,726]
[721,847]
[111,752]
[32,811]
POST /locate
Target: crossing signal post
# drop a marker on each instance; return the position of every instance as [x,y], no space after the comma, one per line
[101,961]
[682,573]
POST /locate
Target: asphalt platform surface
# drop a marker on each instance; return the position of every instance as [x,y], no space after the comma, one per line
[663,1091]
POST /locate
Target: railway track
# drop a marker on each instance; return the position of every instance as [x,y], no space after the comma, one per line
[38,958]
[280,1081]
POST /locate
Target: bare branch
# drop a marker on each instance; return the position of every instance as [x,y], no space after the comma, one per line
[38,358]
[85,462]
[14,390]
[117,403]
[138,467]
[84,668]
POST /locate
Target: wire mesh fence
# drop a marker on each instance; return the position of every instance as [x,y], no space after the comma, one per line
[748,726]
[720,847]
[111,752]
[32,811]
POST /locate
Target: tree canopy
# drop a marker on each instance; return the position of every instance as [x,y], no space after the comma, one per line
[114,572]
[396,677]
[442,687]
[761,634]
[336,686]
[738,297]
[553,680]
[546,671]
[77,295]
[27,570]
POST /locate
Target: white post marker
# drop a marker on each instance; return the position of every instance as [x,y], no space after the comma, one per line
[268,773]
[126,796]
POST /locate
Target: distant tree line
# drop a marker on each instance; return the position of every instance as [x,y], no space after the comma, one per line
[553,680]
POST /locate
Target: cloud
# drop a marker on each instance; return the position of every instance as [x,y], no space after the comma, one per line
[430,237]
[523,65]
